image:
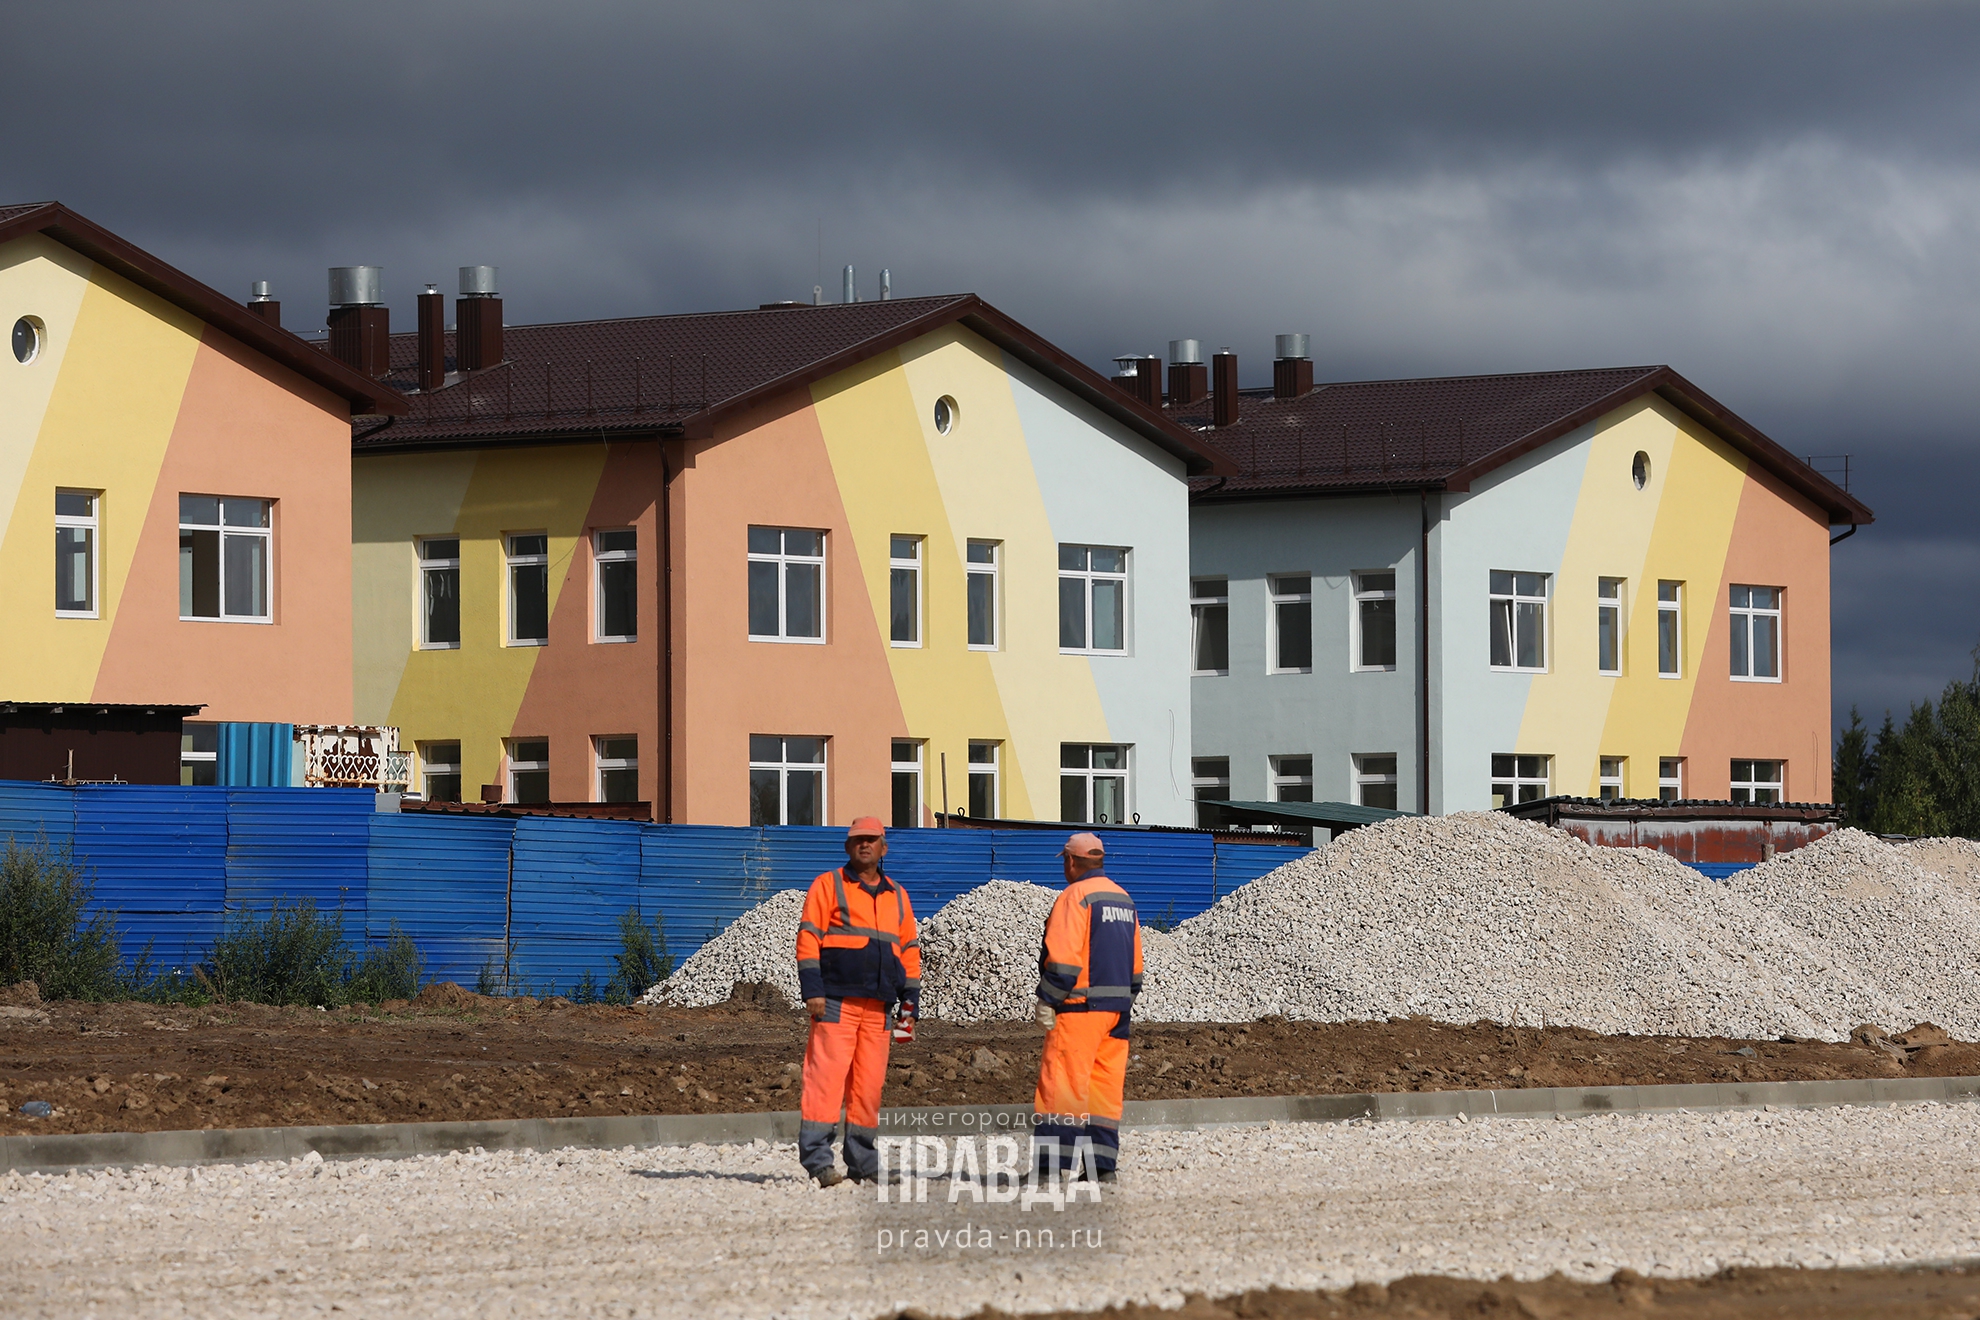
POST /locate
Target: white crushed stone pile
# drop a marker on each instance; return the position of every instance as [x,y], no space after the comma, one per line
[1914,932]
[1480,916]
[979,953]
[1957,860]
[760,945]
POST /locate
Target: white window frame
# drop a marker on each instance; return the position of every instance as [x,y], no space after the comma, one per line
[1207,594]
[909,565]
[1745,618]
[1363,594]
[1088,577]
[601,763]
[785,768]
[189,758]
[1212,773]
[1753,783]
[511,562]
[784,559]
[92,523]
[1670,778]
[975,570]
[1513,599]
[428,767]
[995,773]
[1125,773]
[912,767]
[600,557]
[429,565]
[1364,778]
[1611,772]
[1277,596]
[1521,778]
[225,530]
[513,765]
[1673,608]
[1284,772]
[1609,613]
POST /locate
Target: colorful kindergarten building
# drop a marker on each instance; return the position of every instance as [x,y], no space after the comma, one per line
[780,566]
[174,505]
[1461,593]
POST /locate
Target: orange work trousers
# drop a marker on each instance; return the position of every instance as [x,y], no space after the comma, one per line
[1080,1085]
[845,1065]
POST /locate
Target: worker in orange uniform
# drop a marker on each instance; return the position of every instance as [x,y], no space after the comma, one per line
[858,956]
[1089,972]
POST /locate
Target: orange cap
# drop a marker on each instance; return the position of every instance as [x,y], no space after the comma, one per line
[866,827]
[1083,845]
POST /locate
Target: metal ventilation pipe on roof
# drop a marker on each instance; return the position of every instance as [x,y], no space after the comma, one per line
[1292,346]
[480,281]
[360,323]
[263,305]
[847,293]
[886,285]
[430,354]
[1184,351]
[478,319]
[1292,366]
[357,286]
[1189,380]
[1140,377]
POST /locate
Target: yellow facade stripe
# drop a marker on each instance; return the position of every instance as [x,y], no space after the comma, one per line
[39,278]
[389,494]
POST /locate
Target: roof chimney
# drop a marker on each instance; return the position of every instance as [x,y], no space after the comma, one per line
[478,319]
[847,293]
[432,355]
[886,285]
[263,306]
[1223,388]
[1140,377]
[360,324]
[1189,381]
[1292,366]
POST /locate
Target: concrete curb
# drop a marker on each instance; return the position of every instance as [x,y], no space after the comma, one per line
[59,1152]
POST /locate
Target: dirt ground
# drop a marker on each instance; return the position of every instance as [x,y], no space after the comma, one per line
[453,1055]
[1951,1292]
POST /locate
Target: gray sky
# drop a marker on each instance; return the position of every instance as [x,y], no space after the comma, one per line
[1778,199]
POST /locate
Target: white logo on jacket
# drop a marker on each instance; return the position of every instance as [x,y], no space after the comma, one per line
[1116,914]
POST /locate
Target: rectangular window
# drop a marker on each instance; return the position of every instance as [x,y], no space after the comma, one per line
[199,755]
[1292,779]
[75,553]
[1756,635]
[529,769]
[617,759]
[786,780]
[1670,778]
[1093,783]
[440,595]
[981,578]
[1210,626]
[1092,599]
[1670,629]
[1375,620]
[1610,780]
[529,590]
[615,558]
[907,783]
[984,760]
[224,553]
[440,771]
[786,585]
[1375,780]
[1519,778]
[1519,621]
[904,590]
[1758,781]
[1210,778]
[1291,641]
[1608,625]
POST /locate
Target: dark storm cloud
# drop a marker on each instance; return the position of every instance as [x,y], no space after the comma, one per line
[1780,199]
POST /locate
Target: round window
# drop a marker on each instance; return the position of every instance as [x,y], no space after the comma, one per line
[27,339]
[945,414]
[1639,471]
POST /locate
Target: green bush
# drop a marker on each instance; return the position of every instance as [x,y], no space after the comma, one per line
[389,971]
[642,959]
[1921,777]
[294,954]
[47,934]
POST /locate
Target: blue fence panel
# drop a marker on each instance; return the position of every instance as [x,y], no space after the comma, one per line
[1241,863]
[154,848]
[292,843]
[1028,857]
[1170,875]
[1720,870]
[937,865]
[255,755]
[571,881]
[445,881]
[792,856]
[699,878]
[171,941]
[30,812]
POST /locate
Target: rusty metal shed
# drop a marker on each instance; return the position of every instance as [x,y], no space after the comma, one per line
[1715,837]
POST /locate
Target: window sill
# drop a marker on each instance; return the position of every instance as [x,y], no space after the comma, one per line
[1749,678]
[1288,671]
[904,646]
[789,641]
[438,646]
[1209,673]
[225,618]
[1352,669]
[1514,669]
[1661,674]
[987,649]
[527,643]
[1067,650]
[615,641]
[77,614]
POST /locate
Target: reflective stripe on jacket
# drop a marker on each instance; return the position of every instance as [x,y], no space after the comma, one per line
[1091,956]
[859,942]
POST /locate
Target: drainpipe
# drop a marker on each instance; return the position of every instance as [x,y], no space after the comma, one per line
[664,808]
[1423,656]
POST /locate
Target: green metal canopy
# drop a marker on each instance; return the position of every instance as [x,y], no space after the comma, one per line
[1335,816]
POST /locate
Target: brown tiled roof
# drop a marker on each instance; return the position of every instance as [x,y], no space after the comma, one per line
[1444,432]
[209,305]
[678,375]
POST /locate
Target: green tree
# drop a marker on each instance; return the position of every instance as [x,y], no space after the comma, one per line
[1855,773]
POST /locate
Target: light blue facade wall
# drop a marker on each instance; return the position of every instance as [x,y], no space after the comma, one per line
[1094,495]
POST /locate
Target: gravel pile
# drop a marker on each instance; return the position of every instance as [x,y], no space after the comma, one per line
[760,945]
[1913,932]
[979,954]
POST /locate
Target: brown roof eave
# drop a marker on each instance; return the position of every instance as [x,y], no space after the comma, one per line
[1314,491]
[362,445]
[209,305]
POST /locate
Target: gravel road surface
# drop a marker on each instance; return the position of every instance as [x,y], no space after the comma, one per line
[736,1231]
